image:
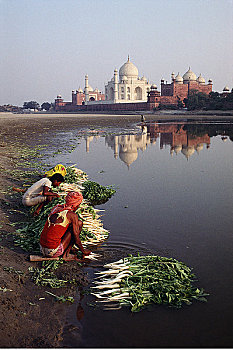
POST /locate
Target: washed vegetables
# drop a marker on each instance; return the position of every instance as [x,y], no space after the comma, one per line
[97,194]
[142,280]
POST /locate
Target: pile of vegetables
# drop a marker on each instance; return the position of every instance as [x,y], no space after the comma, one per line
[97,194]
[142,280]
[92,233]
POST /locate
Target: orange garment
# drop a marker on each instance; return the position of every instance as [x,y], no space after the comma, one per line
[52,232]
[72,200]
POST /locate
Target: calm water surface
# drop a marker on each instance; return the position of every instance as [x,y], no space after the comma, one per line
[174,198]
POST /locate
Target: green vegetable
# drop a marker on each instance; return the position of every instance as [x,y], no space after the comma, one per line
[97,194]
[142,280]
[61,298]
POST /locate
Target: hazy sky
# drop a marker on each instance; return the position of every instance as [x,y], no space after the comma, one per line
[47,46]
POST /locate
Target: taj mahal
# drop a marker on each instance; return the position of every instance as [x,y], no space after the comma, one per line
[127,91]
[128,87]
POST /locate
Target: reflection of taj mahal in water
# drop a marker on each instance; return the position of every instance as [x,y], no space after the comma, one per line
[174,135]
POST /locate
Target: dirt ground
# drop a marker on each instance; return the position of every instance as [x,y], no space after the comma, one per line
[29,317]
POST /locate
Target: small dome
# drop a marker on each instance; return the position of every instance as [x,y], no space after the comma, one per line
[179,79]
[129,70]
[226,88]
[189,76]
[210,81]
[58,96]
[124,78]
[188,151]
[90,88]
[80,90]
[173,75]
[199,147]
[96,90]
[177,149]
[200,79]
[153,87]
[143,78]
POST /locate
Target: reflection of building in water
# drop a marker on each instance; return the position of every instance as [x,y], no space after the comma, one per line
[127,146]
[173,135]
[88,140]
[178,138]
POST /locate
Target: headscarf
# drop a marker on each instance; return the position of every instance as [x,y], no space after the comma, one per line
[59,168]
[73,199]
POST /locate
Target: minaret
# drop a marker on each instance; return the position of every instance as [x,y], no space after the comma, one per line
[115,86]
[86,90]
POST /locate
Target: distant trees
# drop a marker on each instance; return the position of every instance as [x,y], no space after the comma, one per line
[46,106]
[196,100]
[213,101]
[31,105]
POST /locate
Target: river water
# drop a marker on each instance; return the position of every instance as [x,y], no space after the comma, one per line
[174,198]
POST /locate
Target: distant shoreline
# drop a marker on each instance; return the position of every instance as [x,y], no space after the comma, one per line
[163,115]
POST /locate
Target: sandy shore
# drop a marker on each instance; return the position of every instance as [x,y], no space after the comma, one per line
[102,118]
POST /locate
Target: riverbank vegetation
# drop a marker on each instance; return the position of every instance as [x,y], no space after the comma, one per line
[213,101]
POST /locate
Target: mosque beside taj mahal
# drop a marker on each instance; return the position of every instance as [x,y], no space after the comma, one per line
[127,91]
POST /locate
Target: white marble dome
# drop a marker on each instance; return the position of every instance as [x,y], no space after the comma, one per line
[179,79]
[226,88]
[80,90]
[200,79]
[189,76]
[129,70]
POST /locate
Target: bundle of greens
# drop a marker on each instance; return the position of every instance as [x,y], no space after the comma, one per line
[142,280]
[97,194]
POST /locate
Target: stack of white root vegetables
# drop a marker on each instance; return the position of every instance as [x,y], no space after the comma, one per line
[108,283]
[138,281]
[88,214]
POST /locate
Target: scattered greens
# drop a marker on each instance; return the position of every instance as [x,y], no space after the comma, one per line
[61,298]
[45,276]
[142,280]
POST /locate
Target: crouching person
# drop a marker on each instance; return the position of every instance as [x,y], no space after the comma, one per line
[40,192]
[62,229]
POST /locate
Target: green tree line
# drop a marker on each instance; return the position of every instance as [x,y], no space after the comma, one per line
[213,101]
